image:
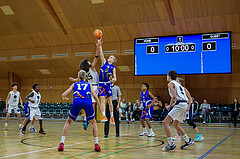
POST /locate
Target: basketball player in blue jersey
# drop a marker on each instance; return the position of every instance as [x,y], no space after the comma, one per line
[27,114]
[107,75]
[147,111]
[179,99]
[189,116]
[81,100]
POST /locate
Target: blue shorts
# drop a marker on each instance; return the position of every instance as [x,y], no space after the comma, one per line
[147,113]
[82,103]
[27,112]
[105,89]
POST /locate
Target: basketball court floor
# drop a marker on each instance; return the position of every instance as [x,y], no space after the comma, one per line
[220,142]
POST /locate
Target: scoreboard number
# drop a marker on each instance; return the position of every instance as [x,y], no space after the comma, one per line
[209,46]
[152,49]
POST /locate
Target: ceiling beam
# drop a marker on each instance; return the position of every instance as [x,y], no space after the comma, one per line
[169,10]
[54,15]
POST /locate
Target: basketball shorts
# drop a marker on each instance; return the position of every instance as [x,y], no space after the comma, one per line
[35,113]
[105,89]
[14,108]
[78,105]
[178,112]
[147,113]
[95,88]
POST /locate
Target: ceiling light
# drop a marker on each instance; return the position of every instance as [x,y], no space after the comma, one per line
[124,68]
[45,71]
[7,10]
[97,1]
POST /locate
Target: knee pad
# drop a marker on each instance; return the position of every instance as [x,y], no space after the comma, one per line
[191,123]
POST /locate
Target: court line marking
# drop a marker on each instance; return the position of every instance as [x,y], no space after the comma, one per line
[65,146]
[214,147]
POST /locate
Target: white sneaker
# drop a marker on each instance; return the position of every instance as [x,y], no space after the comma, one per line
[143,134]
[204,122]
[151,134]
[30,128]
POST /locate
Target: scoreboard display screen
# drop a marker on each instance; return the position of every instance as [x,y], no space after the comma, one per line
[186,54]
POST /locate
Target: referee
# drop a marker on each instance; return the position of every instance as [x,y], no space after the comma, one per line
[116,99]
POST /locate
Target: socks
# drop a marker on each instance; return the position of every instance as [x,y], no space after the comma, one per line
[6,124]
[170,141]
[151,130]
[111,114]
[32,126]
[103,113]
[63,139]
[96,140]
[20,125]
[145,130]
[186,138]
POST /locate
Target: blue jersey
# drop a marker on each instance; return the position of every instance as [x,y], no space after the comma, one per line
[82,89]
[146,100]
[105,72]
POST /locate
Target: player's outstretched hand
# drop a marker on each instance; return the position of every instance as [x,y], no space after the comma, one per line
[168,107]
[71,78]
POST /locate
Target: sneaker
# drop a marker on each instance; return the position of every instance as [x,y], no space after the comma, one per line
[22,131]
[97,148]
[104,119]
[112,121]
[151,134]
[34,130]
[5,128]
[105,136]
[42,132]
[177,137]
[61,147]
[199,138]
[187,144]
[143,134]
[204,122]
[200,116]
[30,128]
[117,135]
[169,147]
[85,125]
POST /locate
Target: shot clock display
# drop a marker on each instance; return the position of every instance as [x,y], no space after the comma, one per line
[187,54]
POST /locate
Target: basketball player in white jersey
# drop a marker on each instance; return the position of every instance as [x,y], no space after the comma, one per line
[179,100]
[189,116]
[34,99]
[12,102]
[92,77]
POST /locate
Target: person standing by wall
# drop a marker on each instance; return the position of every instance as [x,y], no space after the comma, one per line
[235,110]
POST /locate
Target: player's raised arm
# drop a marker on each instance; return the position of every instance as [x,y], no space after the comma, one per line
[64,95]
[171,87]
[95,97]
[96,55]
[103,60]
[30,95]
[189,98]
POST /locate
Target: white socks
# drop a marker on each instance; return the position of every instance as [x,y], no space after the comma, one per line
[32,126]
[20,125]
[170,141]
[151,130]
[111,113]
[96,140]
[6,124]
[63,139]
[145,130]
[103,113]
[186,138]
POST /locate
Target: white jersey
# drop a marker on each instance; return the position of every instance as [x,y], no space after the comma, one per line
[179,90]
[36,98]
[92,77]
[14,98]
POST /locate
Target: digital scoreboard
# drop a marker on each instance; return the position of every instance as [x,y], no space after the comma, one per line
[186,54]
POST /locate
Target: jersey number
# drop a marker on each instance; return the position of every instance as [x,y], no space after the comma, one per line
[89,77]
[181,90]
[84,88]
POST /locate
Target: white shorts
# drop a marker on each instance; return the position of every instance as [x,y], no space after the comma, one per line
[95,88]
[14,108]
[35,112]
[178,112]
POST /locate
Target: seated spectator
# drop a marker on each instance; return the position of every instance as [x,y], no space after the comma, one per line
[165,111]
[137,110]
[235,111]
[157,108]
[205,108]
[123,107]
[129,112]
[196,107]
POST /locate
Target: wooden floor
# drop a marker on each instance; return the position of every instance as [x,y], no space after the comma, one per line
[219,142]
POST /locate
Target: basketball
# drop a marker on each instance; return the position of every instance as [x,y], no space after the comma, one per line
[97,33]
